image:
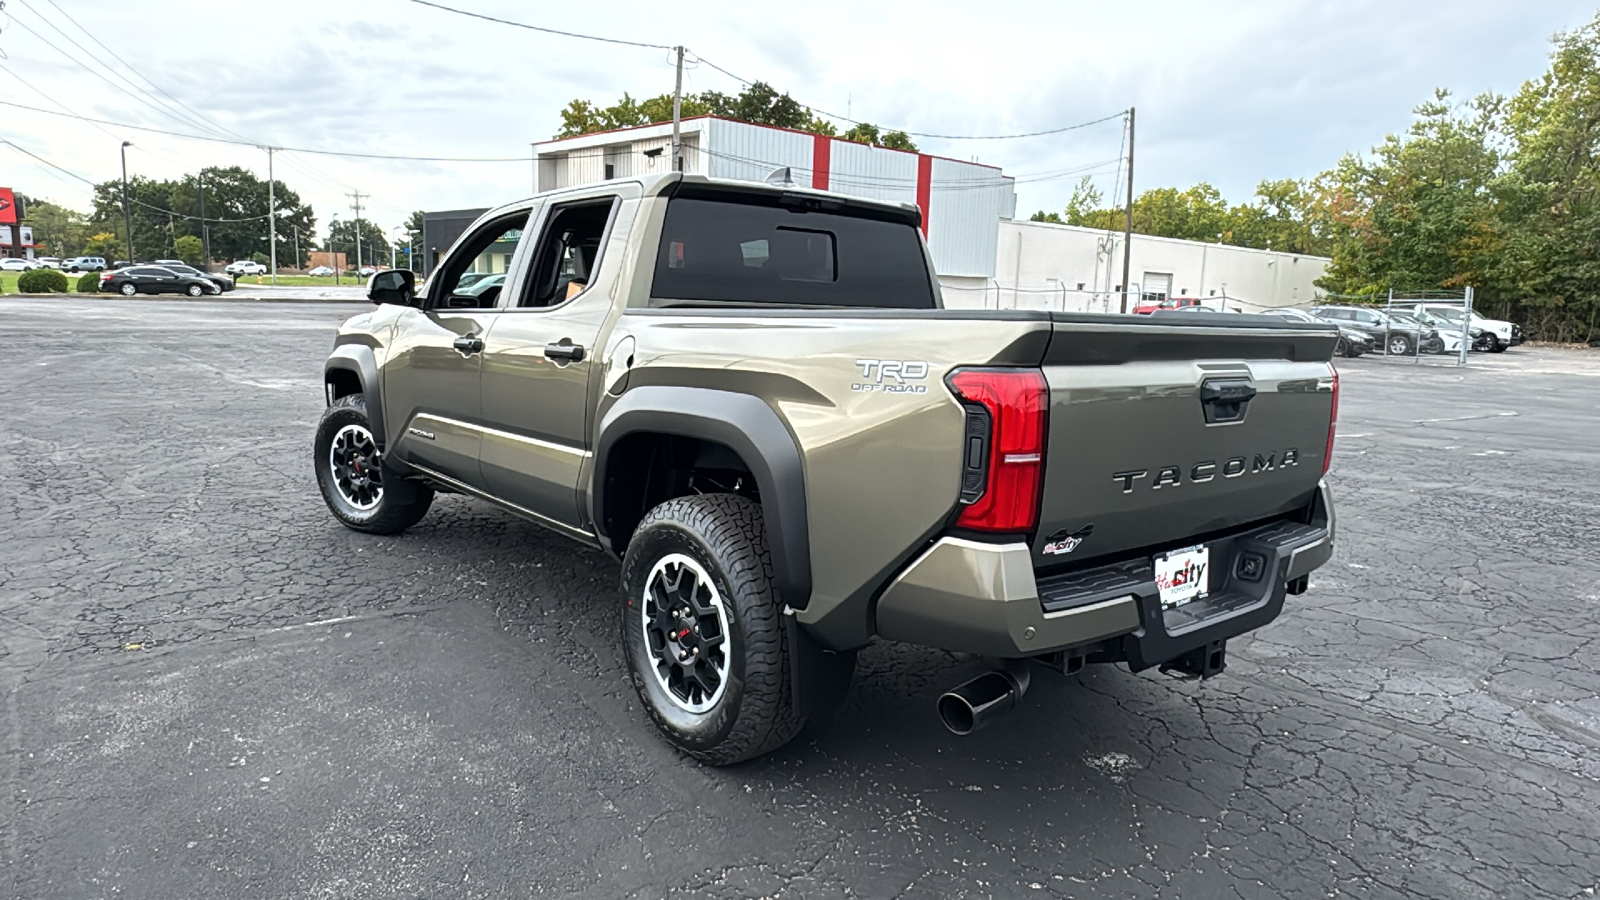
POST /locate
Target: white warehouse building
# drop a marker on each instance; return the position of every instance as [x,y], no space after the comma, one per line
[1042,265]
[961,202]
[984,256]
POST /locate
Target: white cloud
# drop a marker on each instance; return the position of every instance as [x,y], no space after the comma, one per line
[1227,92]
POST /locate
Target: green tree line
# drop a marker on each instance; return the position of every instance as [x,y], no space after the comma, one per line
[1498,193]
[758,103]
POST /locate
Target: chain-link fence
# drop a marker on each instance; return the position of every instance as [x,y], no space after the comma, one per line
[1415,327]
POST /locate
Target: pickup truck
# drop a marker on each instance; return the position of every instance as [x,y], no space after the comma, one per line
[752,396]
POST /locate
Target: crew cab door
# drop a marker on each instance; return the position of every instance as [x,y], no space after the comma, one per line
[431,378]
[541,357]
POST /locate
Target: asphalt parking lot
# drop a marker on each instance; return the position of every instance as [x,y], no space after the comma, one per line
[211,689]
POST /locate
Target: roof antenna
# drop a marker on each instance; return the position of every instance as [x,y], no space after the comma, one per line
[782,177]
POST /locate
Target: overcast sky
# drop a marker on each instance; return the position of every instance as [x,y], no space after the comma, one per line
[1229,92]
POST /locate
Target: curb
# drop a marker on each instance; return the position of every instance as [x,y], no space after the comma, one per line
[214,298]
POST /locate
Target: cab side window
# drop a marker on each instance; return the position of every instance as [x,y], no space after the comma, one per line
[475,274]
[568,253]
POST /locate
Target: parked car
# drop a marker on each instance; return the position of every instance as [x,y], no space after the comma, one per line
[955,479]
[223,282]
[49,262]
[86,264]
[245,267]
[1145,309]
[321,271]
[155,280]
[1352,342]
[367,271]
[17,264]
[1395,338]
[1502,334]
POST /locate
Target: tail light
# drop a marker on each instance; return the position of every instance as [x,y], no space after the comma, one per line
[1003,467]
[105,277]
[1333,421]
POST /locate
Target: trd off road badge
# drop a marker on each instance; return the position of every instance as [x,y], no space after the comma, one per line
[1062,543]
[891,376]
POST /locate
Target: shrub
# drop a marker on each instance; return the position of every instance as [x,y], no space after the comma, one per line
[89,283]
[42,281]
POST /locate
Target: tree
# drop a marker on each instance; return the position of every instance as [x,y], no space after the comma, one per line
[236,213]
[1042,216]
[104,245]
[189,250]
[60,230]
[898,140]
[374,246]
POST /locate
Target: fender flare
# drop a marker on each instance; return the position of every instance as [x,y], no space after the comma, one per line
[359,359]
[748,426]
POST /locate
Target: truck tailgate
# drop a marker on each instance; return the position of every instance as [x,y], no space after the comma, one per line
[1163,432]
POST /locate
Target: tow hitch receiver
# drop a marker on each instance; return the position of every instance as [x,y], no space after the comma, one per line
[1201,662]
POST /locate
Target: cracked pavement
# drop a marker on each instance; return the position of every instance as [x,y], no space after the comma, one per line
[212,689]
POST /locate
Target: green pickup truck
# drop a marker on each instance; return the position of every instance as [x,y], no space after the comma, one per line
[753,397]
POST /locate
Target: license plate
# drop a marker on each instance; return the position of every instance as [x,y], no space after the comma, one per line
[1181,575]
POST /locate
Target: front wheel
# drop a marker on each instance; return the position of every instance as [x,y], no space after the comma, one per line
[360,490]
[1499,346]
[708,648]
[1399,345]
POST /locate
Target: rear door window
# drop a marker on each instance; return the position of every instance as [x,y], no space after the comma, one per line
[790,250]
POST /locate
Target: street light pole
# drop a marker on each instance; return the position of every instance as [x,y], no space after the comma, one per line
[272,218]
[205,228]
[127,217]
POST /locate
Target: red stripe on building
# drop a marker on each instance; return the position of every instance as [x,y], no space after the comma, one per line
[821,161]
[924,187]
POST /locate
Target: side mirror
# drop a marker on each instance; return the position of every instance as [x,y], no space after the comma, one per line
[392,286]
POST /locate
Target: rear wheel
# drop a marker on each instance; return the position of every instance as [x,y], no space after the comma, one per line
[360,490]
[194,290]
[128,289]
[707,645]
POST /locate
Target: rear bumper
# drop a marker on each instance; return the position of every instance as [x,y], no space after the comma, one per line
[981,598]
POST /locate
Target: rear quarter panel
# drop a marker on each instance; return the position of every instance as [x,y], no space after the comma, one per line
[881,451]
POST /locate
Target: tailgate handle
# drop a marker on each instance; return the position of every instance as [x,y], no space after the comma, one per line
[1225,399]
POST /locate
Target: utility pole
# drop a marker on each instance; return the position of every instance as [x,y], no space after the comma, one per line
[357,207]
[1127,230]
[677,113]
[296,246]
[272,219]
[127,217]
[205,228]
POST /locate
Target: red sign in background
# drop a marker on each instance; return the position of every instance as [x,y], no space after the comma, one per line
[8,207]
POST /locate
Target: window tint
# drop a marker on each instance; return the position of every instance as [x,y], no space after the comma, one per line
[476,272]
[756,249]
[568,253]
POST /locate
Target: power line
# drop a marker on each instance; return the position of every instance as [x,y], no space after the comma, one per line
[922,134]
[146,79]
[571,34]
[161,209]
[243,143]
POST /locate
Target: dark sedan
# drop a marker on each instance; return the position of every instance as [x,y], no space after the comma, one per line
[223,282]
[156,280]
[1351,342]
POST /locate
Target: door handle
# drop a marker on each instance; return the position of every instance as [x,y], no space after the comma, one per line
[468,345]
[564,351]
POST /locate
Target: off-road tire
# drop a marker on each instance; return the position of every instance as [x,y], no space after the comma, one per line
[402,502]
[757,712]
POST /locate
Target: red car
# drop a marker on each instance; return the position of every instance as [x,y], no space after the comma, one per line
[1145,309]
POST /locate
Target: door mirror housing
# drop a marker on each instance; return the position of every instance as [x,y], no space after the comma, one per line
[396,286]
